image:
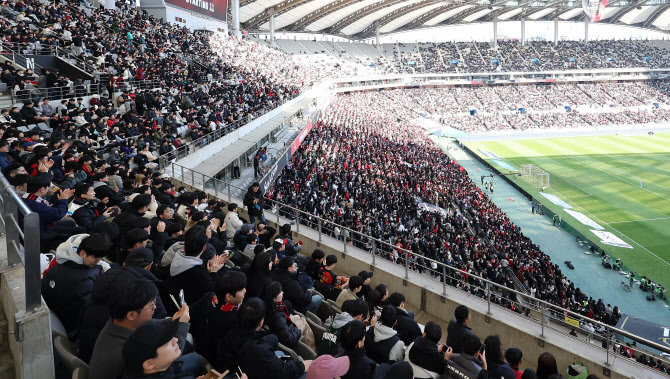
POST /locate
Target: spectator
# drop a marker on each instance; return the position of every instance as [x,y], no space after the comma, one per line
[494,359]
[366,276]
[458,328]
[301,298]
[265,233]
[187,271]
[546,366]
[513,357]
[138,207]
[278,316]
[329,284]
[258,274]
[352,338]
[233,222]
[67,286]
[471,363]
[382,343]
[88,214]
[351,310]
[327,367]
[255,356]
[408,329]
[354,286]
[253,200]
[426,355]
[315,264]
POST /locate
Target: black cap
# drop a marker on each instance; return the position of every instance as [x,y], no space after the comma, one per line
[145,340]
[142,200]
[141,256]
[400,370]
[365,275]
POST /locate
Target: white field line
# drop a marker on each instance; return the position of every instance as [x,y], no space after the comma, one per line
[646,219]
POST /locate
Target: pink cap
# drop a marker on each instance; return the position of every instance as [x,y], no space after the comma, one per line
[327,367]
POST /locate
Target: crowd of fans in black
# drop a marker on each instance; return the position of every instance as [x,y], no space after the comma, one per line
[364,168]
[512,56]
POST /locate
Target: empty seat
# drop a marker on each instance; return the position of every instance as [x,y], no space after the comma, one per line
[305,352]
[64,350]
[311,316]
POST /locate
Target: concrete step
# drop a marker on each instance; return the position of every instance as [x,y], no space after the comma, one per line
[6,358]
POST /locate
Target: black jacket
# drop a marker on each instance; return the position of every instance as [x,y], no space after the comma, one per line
[96,311]
[424,353]
[266,238]
[87,216]
[125,220]
[173,372]
[312,269]
[248,202]
[464,367]
[103,190]
[408,329]
[66,288]
[293,291]
[210,321]
[455,334]
[256,356]
[360,366]
[287,334]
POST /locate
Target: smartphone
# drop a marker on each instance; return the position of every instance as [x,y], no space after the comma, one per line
[181,297]
[482,348]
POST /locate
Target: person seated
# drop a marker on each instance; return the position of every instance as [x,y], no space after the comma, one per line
[216,313]
[497,368]
[382,342]
[329,284]
[278,316]
[187,271]
[353,286]
[458,328]
[153,350]
[408,329]
[245,347]
[87,214]
[426,355]
[471,363]
[513,357]
[265,233]
[67,286]
[327,367]
[302,298]
[351,310]
[232,220]
[315,264]
[367,277]
[352,339]
[138,207]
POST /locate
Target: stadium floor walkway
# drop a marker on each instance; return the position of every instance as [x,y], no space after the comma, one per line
[561,246]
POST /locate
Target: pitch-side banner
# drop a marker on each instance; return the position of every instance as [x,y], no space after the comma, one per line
[211,8]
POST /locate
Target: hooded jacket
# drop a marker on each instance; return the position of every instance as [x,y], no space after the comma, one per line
[330,341]
[67,286]
[189,274]
[383,344]
[426,360]
[256,357]
[455,334]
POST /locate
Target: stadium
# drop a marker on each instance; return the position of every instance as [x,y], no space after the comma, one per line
[334,189]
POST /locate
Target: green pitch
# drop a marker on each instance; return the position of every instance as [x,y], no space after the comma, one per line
[619,182]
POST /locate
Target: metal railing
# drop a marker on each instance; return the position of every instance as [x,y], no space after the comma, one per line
[27,253]
[81,90]
[208,138]
[496,295]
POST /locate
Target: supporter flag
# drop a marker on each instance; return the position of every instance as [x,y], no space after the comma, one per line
[461,168]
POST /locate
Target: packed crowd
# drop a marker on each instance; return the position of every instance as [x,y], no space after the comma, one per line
[544,106]
[365,168]
[511,56]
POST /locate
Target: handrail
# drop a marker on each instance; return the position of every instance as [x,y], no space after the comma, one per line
[207,182]
[30,257]
[208,138]
[79,90]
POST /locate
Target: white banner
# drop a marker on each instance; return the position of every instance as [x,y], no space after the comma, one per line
[556,200]
[610,239]
[584,219]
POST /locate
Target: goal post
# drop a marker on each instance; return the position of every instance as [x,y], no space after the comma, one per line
[533,175]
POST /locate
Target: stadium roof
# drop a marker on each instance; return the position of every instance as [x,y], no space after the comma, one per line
[357,18]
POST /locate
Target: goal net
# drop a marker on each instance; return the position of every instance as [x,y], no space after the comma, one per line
[533,175]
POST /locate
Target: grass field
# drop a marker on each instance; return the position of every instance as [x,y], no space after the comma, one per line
[621,183]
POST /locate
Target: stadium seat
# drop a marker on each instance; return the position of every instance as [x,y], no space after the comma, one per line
[304,351]
[318,330]
[290,352]
[23,129]
[311,316]
[43,126]
[80,373]
[66,352]
[326,310]
[57,328]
